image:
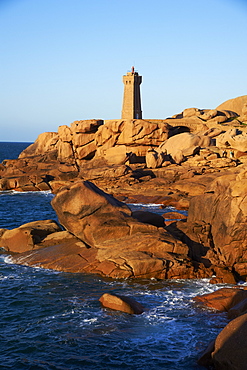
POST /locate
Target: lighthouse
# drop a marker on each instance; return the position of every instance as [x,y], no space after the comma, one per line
[132,96]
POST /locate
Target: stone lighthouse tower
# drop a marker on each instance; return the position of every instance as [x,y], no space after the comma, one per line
[132,97]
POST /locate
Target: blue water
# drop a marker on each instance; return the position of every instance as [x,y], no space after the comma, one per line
[11,150]
[53,321]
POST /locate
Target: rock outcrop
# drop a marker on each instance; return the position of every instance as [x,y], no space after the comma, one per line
[233,139]
[216,227]
[107,240]
[196,159]
[135,136]
[27,236]
[228,350]
[70,144]
[116,153]
[234,105]
[184,145]
[230,346]
[223,299]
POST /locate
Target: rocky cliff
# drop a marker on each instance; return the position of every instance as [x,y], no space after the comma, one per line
[199,140]
[195,160]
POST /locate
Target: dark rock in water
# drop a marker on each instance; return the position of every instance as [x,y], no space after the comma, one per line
[149,218]
[239,309]
[206,356]
[121,303]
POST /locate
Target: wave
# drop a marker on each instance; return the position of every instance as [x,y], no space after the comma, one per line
[15,192]
[7,259]
[147,204]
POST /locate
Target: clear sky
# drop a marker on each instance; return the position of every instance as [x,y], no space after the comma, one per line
[63,60]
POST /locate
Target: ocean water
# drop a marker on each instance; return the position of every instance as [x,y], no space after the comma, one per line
[54,321]
[11,150]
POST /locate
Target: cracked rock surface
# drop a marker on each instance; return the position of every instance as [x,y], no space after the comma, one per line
[102,237]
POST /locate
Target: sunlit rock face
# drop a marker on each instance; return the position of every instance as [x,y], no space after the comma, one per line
[102,237]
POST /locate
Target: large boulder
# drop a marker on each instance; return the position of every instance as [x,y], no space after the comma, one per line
[109,241]
[45,142]
[209,115]
[232,139]
[239,142]
[72,144]
[149,218]
[117,155]
[91,214]
[190,112]
[235,105]
[193,124]
[243,116]
[185,144]
[135,135]
[64,133]
[86,126]
[121,303]
[25,237]
[65,151]
[229,349]
[154,159]
[223,299]
[217,220]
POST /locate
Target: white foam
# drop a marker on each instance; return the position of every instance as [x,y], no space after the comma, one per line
[15,192]
[148,205]
[90,321]
[7,259]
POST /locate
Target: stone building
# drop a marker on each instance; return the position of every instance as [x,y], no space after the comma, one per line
[132,97]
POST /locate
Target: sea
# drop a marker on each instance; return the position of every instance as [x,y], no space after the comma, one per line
[54,321]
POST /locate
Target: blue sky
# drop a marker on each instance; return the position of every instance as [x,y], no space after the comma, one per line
[63,60]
